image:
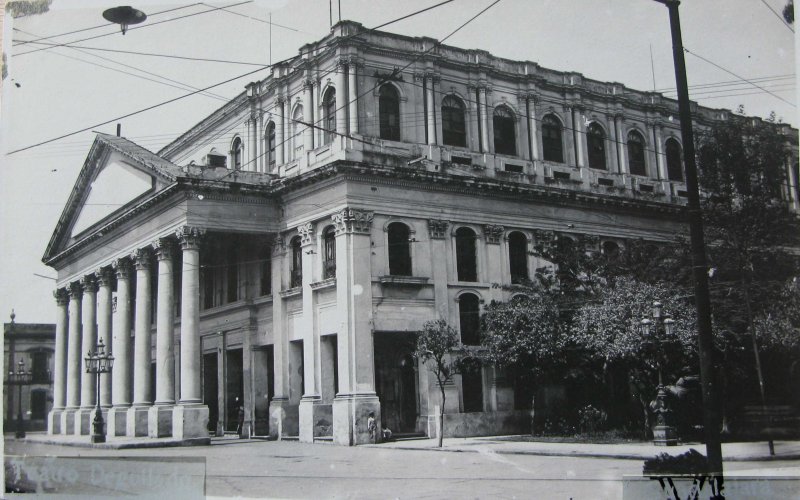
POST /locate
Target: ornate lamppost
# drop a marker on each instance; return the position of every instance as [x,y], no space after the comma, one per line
[19,378]
[99,362]
[664,434]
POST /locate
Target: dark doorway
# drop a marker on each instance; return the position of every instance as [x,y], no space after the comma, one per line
[263,388]
[210,389]
[234,387]
[38,404]
[472,390]
[396,381]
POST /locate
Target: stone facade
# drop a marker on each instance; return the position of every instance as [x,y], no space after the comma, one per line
[280,254]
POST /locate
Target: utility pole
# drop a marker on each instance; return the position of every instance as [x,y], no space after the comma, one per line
[699,265]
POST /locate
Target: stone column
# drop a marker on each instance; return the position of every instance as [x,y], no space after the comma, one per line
[661,164]
[282,415]
[494,258]
[356,398]
[280,104]
[570,137]
[533,135]
[580,137]
[311,374]
[137,413]
[352,95]
[614,138]
[160,414]
[430,80]
[437,234]
[83,420]
[308,115]
[60,373]
[190,417]
[623,162]
[74,359]
[104,281]
[484,114]
[341,99]
[121,348]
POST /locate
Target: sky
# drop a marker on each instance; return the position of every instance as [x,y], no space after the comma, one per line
[65,89]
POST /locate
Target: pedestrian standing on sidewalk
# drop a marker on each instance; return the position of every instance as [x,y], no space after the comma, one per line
[240,425]
[372,427]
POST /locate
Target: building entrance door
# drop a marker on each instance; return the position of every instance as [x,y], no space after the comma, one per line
[396,381]
[210,394]
[234,388]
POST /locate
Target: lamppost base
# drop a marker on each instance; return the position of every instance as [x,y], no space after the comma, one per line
[98,428]
[665,435]
[19,434]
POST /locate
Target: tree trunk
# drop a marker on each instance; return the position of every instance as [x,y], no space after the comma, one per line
[643,402]
[441,417]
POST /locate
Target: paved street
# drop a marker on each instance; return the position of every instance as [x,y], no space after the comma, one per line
[297,470]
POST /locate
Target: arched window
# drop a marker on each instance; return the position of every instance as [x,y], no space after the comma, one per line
[296,141]
[269,138]
[399,249]
[389,111]
[236,153]
[674,165]
[636,153]
[596,144]
[552,143]
[518,256]
[329,243]
[329,115]
[297,263]
[505,137]
[454,129]
[466,256]
[469,319]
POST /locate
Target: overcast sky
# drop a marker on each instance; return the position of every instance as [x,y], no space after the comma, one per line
[66,89]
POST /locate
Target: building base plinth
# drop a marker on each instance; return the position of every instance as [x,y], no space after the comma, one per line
[159,421]
[136,421]
[54,422]
[68,421]
[350,416]
[83,421]
[190,421]
[283,418]
[665,435]
[117,423]
[308,410]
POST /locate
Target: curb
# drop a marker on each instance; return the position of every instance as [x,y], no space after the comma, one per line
[616,456]
[124,446]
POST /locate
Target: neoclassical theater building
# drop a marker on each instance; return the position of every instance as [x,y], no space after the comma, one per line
[281,254]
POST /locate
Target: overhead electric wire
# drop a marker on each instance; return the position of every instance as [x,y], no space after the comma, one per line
[227,9]
[132,28]
[783,21]
[737,76]
[148,108]
[150,54]
[23,42]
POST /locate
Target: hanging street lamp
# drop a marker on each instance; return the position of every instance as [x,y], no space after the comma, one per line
[124,16]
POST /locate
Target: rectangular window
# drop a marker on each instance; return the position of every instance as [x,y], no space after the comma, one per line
[472,391]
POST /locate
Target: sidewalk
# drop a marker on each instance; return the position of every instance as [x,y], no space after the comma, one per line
[112,442]
[733,452]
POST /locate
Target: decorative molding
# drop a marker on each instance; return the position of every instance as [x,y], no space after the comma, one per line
[326,283]
[544,239]
[122,267]
[104,276]
[164,248]
[493,233]
[190,237]
[89,283]
[437,229]
[62,296]
[394,76]
[352,221]
[278,246]
[403,280]
[75,290]
[141,258]
[306,233]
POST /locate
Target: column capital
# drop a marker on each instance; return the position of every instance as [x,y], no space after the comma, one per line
[544,239]
[89,283]
[163,247]
[308,83]
[493,233]
[75,290]
[104,276]
[61,295]
[619,116]
[190,237]
[280,98]
[306,233]
[437,228]
[350,220]
[141,258]
[278,246]
[122,267]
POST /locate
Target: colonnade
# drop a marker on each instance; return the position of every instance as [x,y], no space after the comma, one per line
[88,313]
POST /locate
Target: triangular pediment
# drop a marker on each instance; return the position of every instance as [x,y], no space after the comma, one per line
[117,175]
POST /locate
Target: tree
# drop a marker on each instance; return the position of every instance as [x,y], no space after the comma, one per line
[749,227]
[21,8]
[610,329]
[788,12]
[439,347]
